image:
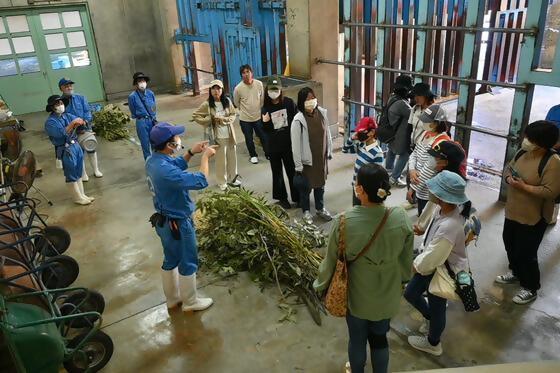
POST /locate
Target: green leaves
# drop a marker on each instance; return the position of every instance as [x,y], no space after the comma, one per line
[110,123]
[241,231]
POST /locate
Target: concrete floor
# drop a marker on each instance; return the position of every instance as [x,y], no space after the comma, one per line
[120,255]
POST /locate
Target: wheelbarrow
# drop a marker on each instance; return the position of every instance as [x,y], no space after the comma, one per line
[28,330]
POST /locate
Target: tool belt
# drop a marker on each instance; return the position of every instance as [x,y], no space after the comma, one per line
[160,220]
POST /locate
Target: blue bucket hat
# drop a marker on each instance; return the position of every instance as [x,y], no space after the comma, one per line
[162,132]
[448,187]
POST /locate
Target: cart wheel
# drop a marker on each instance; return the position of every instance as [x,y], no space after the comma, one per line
[94,303]
[58,237]
[92,356]
[61,272]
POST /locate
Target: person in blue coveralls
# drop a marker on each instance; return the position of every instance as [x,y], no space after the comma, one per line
[78,106]
[60,127]
[142,105]
[170,183]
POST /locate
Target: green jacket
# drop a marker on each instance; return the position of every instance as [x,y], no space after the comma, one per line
[375,279]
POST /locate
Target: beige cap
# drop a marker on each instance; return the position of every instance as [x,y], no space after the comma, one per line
[217,82]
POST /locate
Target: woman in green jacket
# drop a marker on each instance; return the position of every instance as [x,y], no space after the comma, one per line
[376,277]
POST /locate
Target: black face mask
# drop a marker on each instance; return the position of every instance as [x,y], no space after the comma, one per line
[362,136]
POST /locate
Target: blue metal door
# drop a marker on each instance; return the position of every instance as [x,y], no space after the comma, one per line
[243,47]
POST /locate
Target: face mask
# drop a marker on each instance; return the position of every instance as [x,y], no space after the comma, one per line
[274,94]
[69,92]
[310,104]
[362,136]
[59,109]
[528,146]
[142,85]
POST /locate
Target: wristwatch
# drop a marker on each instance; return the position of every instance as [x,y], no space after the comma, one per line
[190,152]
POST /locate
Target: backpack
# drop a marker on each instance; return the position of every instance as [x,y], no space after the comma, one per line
[385,132]
[549,154]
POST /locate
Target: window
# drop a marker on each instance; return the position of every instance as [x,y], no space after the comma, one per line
[8,67]
[17,24]
[50,21]
[5,48]
[72,19]
[2,27]
[60,61]
[23,44]
[55,41]
[76,39]
[29,65]
[81,58]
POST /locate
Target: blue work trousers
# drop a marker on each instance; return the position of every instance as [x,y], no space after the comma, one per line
[182,253]
[143,128]
[361,332]
[434,310]
[73,162]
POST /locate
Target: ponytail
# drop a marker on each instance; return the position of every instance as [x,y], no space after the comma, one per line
[467,206]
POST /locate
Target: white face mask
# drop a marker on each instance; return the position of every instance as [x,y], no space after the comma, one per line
[528,146]
[59,109]
[142,85]
[310,104]
[69,92]
[274,94]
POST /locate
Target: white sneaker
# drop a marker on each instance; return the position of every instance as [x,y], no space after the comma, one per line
[524,296]
[398,183]
[324,214]
[307,218]
[422,344]
[189,296]
[507,278]
[254,160]
[236,181]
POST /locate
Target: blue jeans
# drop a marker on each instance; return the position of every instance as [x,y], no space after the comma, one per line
[248,128]
[398,166]
[361,332]
[434,310]
[143,128]
[182,253]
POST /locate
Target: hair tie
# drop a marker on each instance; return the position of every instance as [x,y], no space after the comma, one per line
[381,193]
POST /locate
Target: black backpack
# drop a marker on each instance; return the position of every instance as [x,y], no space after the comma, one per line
[549,154]
[385,132]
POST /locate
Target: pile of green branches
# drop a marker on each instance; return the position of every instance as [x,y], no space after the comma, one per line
[110,123]
[238,230]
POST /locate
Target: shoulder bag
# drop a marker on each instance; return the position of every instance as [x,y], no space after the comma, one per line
[336,300]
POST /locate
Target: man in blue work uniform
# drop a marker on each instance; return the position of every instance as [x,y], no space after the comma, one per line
[170,182]
[78,106]
[60,127]
[142,105]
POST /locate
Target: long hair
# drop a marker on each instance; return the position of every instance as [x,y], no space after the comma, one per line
[268,100]
[223,99]
[302,97]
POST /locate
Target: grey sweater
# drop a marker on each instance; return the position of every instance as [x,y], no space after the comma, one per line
[399,112]
[300,140]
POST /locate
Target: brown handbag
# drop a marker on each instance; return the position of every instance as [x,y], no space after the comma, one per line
[336,300]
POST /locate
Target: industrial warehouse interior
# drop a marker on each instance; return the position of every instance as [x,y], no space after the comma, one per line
[158,160]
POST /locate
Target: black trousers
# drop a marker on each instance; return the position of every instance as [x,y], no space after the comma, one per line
[277,159]
[522,243]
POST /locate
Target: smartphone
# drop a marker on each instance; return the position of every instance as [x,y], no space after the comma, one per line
[514,173]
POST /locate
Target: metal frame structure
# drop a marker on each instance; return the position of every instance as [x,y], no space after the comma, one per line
[381,34]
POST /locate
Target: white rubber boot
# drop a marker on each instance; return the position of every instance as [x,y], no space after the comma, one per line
[189,296]
[81,186]
[85,177]
[58,164]
[77,194]
[170,281]
[95,164]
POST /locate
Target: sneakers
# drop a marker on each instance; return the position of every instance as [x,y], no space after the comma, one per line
[324,214]
[254,160]
[507,278]
[285,204]
[425,327]
[524,296]
[236,182]
[307,218]
[398,183]
[422,344]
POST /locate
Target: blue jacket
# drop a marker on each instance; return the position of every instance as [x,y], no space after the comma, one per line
[79,106]
[170,184]
[55,126]
[138,109]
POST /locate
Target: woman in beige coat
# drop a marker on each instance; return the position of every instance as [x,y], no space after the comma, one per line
[217,115]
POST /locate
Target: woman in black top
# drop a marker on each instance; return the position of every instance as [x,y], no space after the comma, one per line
[277,115]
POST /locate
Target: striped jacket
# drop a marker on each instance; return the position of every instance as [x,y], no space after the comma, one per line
[420,161]
[367,154]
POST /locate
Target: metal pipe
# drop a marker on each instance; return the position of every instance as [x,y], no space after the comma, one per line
[202,71]
[456,125]
[525,31]
[428,75]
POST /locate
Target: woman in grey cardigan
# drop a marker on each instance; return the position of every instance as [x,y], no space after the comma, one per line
[312,148]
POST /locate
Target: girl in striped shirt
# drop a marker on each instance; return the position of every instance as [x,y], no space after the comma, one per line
[369,153]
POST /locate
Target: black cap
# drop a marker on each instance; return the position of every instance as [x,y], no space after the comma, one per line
[137,76]
[422,89]
[53,100]
[404,81]
[449,151]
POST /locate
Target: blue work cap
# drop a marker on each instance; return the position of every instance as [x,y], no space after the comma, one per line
[162,132]
[64,81]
